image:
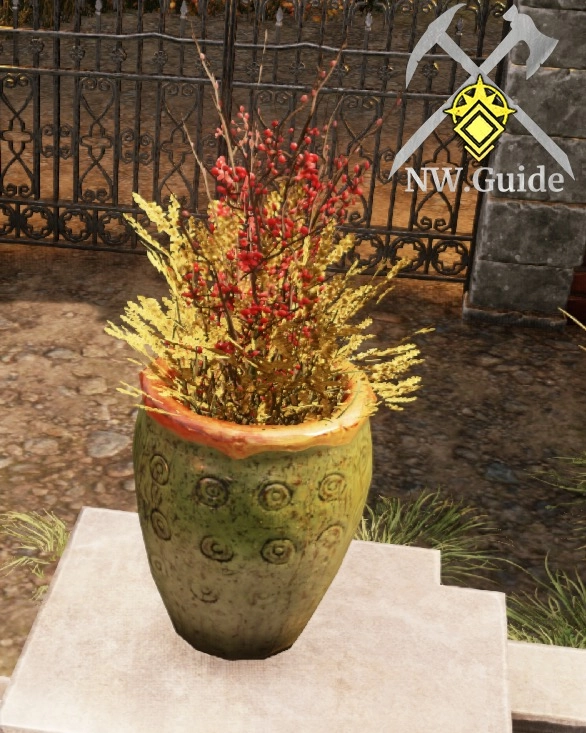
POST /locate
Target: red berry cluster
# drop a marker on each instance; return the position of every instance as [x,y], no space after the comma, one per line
[272,157]
[267,278]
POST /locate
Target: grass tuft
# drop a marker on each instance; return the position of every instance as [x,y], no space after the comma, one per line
[431,522]
[562,621]
[46,537]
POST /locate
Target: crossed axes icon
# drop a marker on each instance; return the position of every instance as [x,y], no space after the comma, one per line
[522,29]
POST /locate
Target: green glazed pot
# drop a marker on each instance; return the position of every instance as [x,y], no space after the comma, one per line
[245,527]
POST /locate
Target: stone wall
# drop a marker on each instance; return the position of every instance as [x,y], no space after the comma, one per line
[528,243]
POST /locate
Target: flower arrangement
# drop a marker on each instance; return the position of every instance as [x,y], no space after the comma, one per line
[256,330]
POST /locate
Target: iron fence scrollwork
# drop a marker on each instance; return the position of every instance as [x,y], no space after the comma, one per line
[94,104]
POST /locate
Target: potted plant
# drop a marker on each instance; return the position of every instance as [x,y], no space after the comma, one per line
[252,452]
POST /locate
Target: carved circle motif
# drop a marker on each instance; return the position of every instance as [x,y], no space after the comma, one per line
[158,565]
[159,469]
[332,487]
[160,525]
[216,549]
[204,593]
[274,496]
[211,491]
[278,552]
[331,535]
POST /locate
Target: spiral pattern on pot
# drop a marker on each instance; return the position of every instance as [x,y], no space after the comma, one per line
[158,566]
[332,487]
[160,525]
[159,469]
[211,491]
[216,549]
[204,593]
[274,496]
[278,552]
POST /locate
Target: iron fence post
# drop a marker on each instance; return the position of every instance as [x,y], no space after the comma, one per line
[229,59]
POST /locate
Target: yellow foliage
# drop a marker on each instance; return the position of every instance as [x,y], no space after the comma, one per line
[289,371]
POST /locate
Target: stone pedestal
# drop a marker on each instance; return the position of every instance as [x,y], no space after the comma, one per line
[389,650]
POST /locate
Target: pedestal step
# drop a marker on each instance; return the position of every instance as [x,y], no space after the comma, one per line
[388,649]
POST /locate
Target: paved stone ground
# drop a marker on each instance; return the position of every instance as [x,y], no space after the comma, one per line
[496,404]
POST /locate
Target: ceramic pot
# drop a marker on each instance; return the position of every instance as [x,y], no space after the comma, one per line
[245,527]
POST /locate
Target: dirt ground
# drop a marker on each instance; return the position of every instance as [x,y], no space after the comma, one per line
[497,404]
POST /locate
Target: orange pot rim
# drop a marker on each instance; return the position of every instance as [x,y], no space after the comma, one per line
[242,441]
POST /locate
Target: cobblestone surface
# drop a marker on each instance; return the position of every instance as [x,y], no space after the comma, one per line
[497,403]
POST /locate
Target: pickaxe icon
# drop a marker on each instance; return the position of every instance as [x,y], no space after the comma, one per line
[522,29]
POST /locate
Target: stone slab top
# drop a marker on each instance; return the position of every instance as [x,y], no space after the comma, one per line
[561,669]
[389,649]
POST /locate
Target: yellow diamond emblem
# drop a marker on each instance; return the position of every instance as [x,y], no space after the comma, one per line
[479,129]
[480,112]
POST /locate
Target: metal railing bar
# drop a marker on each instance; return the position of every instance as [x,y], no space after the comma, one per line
[239,45]
[269,86]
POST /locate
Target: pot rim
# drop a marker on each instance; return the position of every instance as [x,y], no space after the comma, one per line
[242,441]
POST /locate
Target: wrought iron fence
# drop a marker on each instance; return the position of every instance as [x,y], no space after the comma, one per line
[93,108]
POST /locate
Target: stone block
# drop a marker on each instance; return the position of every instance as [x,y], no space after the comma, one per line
[531,233]
[502,286]
[568,27]
[560,668]
[553,98]
[515,150]
[551,322]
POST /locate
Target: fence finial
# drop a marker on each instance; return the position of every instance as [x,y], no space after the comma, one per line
[279,17]
[183,10]
[99,7]
[368,21]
